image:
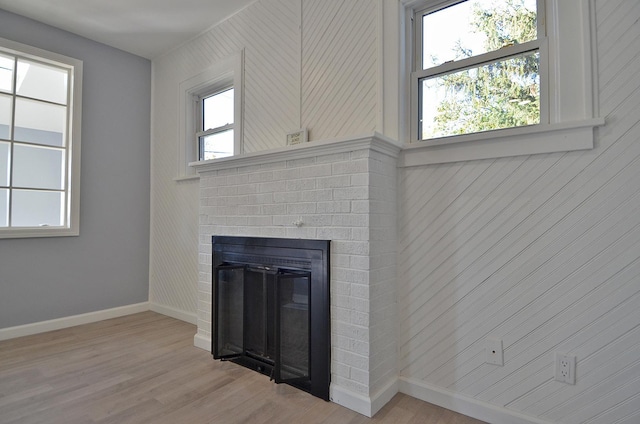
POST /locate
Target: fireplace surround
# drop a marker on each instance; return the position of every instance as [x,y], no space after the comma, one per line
[271,308]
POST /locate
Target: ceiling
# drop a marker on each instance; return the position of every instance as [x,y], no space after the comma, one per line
[145,28]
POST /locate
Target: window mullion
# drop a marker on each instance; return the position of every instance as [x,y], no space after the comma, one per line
[214,130]
[474,61]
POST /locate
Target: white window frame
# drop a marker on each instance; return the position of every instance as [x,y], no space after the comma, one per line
[72,143]
[225,73]
[203,132]
[569,95]
[504,53]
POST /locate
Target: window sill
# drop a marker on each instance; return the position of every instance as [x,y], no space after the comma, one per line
[530,140]
[26,232]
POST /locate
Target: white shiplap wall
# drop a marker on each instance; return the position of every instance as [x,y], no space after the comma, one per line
[541,251]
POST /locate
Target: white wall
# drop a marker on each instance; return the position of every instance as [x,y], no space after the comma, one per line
[541,251]
[106,266]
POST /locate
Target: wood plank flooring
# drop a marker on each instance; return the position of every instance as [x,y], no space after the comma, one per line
[143,368]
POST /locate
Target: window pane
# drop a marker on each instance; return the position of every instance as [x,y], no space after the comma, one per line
[498,95]
[5,117]
[41,82]
[6,73]
[218,145]
[474,27]
[38,167]
[37,208]
[4,207]
[39,122]
[5,149]
[217,110]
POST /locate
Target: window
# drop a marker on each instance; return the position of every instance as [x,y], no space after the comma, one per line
[210,114]
[39,142]
[478,67]
[474,85]
[215,125]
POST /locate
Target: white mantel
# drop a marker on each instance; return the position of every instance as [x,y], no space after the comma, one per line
[343,190]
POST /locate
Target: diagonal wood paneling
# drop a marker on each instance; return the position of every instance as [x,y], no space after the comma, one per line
[339,67]
[542,252]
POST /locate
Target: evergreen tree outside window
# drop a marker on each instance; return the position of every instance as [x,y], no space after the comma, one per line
[478,67]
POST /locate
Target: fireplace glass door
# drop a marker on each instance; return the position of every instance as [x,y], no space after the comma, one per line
[263,313]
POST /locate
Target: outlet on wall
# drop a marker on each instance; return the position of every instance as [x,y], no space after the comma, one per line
[493,351]
[565,368]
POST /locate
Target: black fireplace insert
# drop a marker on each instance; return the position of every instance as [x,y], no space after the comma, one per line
[271,308]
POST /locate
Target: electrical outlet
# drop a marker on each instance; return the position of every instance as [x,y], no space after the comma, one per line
[565,368]
[493,351]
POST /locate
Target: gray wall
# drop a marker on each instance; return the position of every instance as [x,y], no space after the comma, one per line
[108,264]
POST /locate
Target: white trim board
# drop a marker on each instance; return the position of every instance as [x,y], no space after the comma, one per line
[463,404]
[71,321]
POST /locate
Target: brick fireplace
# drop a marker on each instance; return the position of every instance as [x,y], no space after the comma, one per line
[343,190]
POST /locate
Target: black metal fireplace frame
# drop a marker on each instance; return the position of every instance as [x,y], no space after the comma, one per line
[297,254]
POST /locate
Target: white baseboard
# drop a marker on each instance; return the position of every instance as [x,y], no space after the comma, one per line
[384,395]
[174,313]
[352,400]
[71,321]
[202,342]
[464,404]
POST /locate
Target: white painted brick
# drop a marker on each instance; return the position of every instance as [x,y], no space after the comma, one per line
[341,342]
[350,220]
[360,290]
[351,275]
[302,232]
[247,169]
[227,191]
[261,177]
[360,376]
[359,318]
[333,233]
[351,247]
[301,208]
[359,262]
[247,189]
[301,184]
[350,385]
[317,220]
[315,171]
[361,348]
[317,195]
[343,206]
[351,193]
[288,197]
[286,174]
[237,179]
[260,199]
[349,358]
[361,234]
[341,288]
[279,209]
[359,179]
[340,314]
[274,165]
[340,370]
[260,220]
[338,181]
[360,154]
[250,210]
[271,187]
[230,171]
[339,260]
[351,167]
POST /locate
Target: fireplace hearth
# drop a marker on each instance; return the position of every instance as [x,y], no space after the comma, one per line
[270,302]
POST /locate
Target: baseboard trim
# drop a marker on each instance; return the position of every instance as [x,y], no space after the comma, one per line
[71,321]
[383,396]
[174,313]
[352,400]
[202,342]
[464,404]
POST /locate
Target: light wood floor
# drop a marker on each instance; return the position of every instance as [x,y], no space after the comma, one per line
[143,368]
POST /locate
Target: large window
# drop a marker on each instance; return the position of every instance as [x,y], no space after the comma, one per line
[478,67]
[39,134]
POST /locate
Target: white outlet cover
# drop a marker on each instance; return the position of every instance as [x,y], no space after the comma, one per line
[565,368]
[493,351]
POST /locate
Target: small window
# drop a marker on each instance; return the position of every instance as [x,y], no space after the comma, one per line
[39,172]
[216,123]
[477,67]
